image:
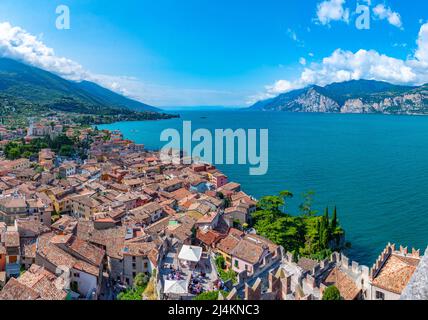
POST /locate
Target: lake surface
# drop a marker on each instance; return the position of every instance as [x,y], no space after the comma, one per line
[373,167]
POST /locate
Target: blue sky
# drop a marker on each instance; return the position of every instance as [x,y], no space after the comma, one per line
[224,52]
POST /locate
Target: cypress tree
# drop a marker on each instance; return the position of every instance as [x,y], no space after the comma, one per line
[326,219]
[334,221]
[324,230]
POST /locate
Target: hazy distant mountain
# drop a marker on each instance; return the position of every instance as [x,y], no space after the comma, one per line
[113,98]
[357,96]
[39,88]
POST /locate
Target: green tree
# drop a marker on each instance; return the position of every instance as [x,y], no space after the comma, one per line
[285,196]
[220,262]
[141,280]
[227,202]
[307,234]
[13,154]
[136,292]
[331,293]
[271,205]
[66,151]
[334,220]
[306,206]
[209,296]
[325,231]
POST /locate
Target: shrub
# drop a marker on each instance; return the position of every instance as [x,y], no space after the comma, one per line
[331,293]
[209,296]
[135,293]
[220,262]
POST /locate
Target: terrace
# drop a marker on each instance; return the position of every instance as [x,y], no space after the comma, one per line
[186,274]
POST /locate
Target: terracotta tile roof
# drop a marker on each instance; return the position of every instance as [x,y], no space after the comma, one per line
[158,226]
[346,285]
[153,257]
[112,239]
[396,273]
[86,250]
[231,186]
[168,210]
[248,251]
[208,218]
[236,232]
[13,203]
[86,201]
[141,249]
[228,244]
[181,194]
[33,226]
[209,238]
[11,239]
[65,223]
[30,250]
[236,209]
[182,230]
[14,290]
[114,247]
[200,207]
[58,257]
[43,282]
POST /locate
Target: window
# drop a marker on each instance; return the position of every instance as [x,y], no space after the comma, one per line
[236,264]
[146,265]
[134,274]
[134,265]
[380,295]
[133,259]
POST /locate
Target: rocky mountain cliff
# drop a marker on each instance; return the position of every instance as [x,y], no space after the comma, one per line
[362,96]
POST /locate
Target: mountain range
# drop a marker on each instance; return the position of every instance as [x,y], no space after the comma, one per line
[35,88]
[25,89]
[357,96]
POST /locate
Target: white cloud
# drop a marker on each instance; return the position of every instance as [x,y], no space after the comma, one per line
[302,61]
[16,43]
[422,51]
[293,36]
[275,89]
[344,65]
[400,45]
[332,10]
[385,13]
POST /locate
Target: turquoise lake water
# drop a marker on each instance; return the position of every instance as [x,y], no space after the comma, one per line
[373,167]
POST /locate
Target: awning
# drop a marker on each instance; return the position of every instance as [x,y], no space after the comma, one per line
[179,287]
[190,253]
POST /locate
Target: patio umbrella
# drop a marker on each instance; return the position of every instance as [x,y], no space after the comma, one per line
[178,287]
[190,253]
